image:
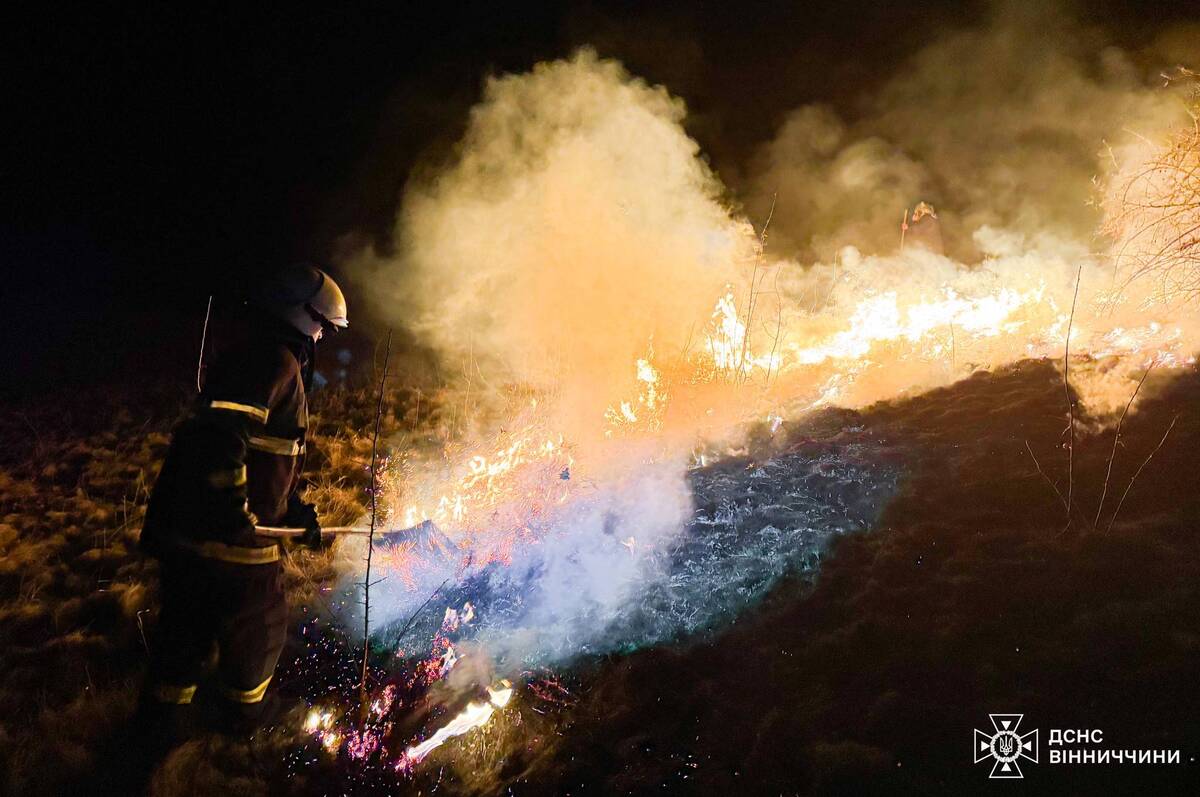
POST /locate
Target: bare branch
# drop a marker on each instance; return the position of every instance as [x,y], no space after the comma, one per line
[203,341]
[364,703]
[1053,486]
[1070,403]
[1152,212]
[1137,473]
[762,245]
[1117,439]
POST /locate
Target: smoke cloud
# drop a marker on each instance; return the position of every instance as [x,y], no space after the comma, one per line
[1004,126]
[576,220]
[578,243]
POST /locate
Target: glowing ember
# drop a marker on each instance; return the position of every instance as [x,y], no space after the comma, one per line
[368,741]
[321,725]
[475,715]
[317,720]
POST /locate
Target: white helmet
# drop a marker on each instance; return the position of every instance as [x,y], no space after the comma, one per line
[307,298]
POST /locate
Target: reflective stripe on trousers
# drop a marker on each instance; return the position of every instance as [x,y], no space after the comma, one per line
[179,695]
[254,695]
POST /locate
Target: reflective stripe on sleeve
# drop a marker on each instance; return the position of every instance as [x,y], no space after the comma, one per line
[254,695]
[234,554]
[257,413]
[284,446]
[179,695]
[226,479]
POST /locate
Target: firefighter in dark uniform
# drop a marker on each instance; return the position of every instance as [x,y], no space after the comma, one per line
[235,463]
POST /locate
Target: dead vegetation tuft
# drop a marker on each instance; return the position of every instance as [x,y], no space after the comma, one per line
[77,600]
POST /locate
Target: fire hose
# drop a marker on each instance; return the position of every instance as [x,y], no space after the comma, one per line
[389,536]
[283,532]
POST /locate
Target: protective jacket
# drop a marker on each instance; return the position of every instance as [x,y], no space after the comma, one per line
[235,460]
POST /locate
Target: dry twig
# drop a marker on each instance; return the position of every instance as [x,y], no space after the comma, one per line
[762,244]
[1152,211]
[203,341]
[1116,441]
[1137,473]
[1070,403]
[364,703]
[1061,498]
[1050,482]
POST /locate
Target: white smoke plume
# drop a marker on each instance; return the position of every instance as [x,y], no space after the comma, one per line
[578,223]
[578,244]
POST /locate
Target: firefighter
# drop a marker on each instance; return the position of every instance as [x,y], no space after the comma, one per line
[234,463]
[924,229]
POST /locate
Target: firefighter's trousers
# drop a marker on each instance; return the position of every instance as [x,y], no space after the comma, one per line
[238,609]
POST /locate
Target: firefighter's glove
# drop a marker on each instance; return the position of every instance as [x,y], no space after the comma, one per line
[302,515]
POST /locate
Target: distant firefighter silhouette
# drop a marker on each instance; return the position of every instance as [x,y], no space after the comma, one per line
[923,229]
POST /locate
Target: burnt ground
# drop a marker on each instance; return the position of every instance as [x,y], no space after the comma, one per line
[967,598]
[970,595]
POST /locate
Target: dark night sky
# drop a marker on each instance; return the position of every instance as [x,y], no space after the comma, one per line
[154,154]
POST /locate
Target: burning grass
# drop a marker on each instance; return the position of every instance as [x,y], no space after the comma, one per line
[971,537]
[656,527]
[638,567]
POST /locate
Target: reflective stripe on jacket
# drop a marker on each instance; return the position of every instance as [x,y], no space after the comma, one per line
[236,458]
